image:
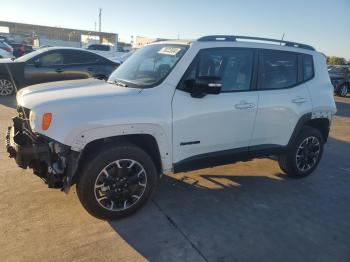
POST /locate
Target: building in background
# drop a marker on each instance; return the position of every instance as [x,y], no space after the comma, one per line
[38,35]
[140,41]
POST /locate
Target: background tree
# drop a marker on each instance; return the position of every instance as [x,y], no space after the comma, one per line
[334,60]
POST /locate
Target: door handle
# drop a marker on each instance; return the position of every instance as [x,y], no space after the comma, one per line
[59,70]
[244,105]
[299,100]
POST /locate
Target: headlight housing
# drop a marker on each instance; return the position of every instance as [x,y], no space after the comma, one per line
[32,118]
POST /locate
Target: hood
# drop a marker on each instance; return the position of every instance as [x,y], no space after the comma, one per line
[73,90]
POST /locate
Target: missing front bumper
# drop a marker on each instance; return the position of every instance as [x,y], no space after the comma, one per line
[25,155]
[52,161]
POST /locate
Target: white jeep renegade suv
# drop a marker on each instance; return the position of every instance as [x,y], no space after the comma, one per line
[174,107]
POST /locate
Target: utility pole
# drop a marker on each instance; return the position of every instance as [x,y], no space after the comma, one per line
[99,18]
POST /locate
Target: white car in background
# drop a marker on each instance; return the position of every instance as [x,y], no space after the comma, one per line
[6,51]
[107,51]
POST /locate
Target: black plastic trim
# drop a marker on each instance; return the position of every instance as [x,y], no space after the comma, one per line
[301,122]
[233,38]
[227,157]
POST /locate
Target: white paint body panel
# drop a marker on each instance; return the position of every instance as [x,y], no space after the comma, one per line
[213,121]
[278,115]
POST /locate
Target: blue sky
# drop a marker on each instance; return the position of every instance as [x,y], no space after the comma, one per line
[324,24]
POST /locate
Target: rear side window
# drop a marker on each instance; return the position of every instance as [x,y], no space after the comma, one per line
[278,69]
[80,57]
[308,67]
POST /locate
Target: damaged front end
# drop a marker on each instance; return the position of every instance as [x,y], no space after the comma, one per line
[52,161]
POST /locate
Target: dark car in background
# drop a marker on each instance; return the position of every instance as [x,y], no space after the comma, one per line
[18,49]
[340,78]
[52,64]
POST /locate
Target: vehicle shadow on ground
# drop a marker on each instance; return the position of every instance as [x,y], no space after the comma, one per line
[245,216]
[9,101]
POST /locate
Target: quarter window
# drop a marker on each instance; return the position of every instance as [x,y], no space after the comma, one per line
[308,67]
[278,69]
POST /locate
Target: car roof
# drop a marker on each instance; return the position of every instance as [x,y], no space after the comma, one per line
[244,41]
[51,48]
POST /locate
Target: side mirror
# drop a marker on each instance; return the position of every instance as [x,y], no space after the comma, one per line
[37,62]
[204,85]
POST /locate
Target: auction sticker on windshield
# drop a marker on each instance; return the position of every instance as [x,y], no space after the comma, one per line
[169,50]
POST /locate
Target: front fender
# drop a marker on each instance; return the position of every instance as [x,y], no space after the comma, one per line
[163,140]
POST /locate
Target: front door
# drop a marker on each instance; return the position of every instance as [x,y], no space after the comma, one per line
[215,123]
[45,68]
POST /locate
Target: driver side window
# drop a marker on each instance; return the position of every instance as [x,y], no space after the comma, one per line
[233,65]
[51,59]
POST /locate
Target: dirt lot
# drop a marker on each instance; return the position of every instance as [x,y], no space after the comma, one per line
[242,212]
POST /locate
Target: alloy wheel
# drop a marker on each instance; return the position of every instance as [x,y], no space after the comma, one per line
[308,153]
[120,184]
[344,91]
[6,87]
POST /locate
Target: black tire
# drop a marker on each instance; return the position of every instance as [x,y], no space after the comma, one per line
[343,90]
[93,169]
[7,88]
[288,162]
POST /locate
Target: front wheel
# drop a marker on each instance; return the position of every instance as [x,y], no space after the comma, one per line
[304,154]
[117,182]
[7,88]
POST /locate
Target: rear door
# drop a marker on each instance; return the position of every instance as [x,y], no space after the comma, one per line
[46,67]
[80,64]
[283,96]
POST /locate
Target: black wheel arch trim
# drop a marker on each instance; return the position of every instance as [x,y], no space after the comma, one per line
[301,122]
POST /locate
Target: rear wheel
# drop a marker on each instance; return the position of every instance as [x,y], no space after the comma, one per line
[304,154]
[7,88]
[117,182]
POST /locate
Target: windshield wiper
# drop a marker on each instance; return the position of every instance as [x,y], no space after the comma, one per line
[116,82]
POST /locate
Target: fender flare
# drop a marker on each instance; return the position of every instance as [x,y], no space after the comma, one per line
[105,132]
[301,122]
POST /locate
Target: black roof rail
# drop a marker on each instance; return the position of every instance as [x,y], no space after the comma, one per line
[234,38]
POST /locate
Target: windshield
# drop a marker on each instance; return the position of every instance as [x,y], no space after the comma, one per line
[30,55]
[149,65]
